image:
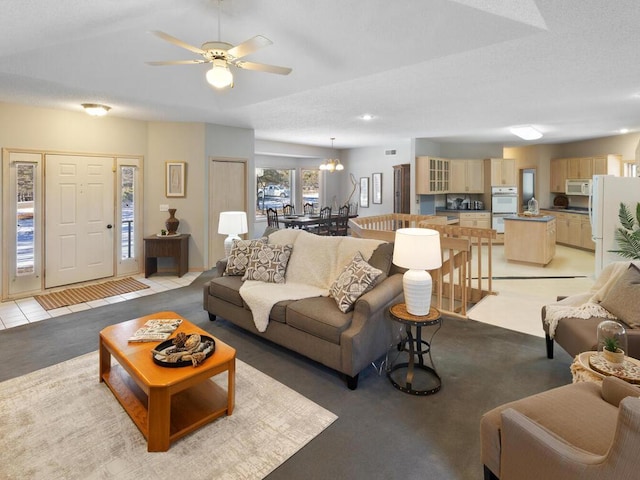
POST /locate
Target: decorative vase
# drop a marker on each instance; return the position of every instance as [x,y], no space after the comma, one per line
[172,222]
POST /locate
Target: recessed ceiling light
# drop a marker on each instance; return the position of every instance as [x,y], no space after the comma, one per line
[96,109]
[526,132]
[624,130]
[367,116]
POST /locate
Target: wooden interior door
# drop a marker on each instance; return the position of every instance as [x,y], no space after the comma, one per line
[79,217]
[402,188]
[227,192]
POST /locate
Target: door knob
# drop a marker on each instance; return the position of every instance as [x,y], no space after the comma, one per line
[109,226]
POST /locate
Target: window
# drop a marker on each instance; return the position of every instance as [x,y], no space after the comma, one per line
[127,211]
[274,189]
[629,168]
[25,239]
[311,187]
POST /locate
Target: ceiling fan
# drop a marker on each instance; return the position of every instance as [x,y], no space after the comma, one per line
[221,55]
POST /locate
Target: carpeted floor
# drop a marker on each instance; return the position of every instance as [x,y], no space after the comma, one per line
[60,422]
[73,296]
[380,433]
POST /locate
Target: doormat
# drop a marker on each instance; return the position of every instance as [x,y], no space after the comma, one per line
[73,296]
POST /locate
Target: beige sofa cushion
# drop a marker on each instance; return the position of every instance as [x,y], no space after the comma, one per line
[623,299]
[576,413]
[319,317]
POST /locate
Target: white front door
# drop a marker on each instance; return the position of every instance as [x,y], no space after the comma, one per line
[79,217]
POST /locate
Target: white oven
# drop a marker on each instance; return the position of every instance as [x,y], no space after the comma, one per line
[504,201]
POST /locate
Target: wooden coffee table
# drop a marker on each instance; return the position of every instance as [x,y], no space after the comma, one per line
[165,403]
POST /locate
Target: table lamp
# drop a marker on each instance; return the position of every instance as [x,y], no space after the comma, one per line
[232,224]
[417,249]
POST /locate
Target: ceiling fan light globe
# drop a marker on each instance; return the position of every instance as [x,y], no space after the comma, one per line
[220,76]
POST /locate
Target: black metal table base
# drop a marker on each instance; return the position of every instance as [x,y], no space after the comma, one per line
[417,349]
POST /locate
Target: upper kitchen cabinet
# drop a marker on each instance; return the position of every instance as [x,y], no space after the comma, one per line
[607,165]
[503,172]
[466,176]
[580,168]
[432,175]
[558,174]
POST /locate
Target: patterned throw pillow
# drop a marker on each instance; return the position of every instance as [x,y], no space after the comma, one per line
[356,279]
[268,263]
[240,254]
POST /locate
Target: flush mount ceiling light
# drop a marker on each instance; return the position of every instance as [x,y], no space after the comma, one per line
[367,117]
[95,109]
[331,164]
[526,132]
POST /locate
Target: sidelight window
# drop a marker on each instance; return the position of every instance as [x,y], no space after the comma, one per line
[25,213]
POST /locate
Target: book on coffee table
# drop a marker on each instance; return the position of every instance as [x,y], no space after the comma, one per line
[156,330]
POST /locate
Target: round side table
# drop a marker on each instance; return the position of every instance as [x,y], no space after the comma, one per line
[417,348]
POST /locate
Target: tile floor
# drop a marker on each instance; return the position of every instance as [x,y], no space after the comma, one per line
[28,310]
[522,290]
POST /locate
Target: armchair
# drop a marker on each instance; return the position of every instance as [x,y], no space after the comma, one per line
[578,431]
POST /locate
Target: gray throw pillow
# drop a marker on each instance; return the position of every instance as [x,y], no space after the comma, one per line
[623,298]
[355,280]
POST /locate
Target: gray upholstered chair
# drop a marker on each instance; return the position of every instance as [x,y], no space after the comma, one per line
[578,431]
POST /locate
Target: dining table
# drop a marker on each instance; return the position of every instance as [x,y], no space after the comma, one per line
[308,221]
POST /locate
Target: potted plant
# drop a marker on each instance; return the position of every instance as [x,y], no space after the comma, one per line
[612,352]
[628,235]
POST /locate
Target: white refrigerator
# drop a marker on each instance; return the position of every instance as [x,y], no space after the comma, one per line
[607,192]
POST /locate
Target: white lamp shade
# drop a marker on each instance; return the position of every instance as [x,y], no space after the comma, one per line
[232,223]
[417,249]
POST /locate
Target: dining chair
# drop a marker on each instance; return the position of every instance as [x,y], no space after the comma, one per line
[307,208]
[272,218]
[288,209]
[324,225]
[342,222]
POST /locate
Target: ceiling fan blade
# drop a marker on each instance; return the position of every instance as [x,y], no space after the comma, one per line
[177,41]
[262,67]
[176,62]
[250,46]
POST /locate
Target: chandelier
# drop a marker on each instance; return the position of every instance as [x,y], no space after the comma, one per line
[331,164]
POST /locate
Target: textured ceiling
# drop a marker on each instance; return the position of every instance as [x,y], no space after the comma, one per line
[450,70]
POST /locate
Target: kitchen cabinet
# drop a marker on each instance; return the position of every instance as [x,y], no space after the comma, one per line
[607,165]
[580,168]
[558,174]
[475,219]
[503,172]
[432,175]
[466,176]
[531,240]
[572,229]
[402,188]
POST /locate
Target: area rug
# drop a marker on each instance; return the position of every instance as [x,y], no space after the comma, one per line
[73,296]
[61,423]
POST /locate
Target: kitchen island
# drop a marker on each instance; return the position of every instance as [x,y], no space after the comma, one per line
[530,239]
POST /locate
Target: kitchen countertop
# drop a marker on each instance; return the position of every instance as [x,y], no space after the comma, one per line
[460,210]
[543,218]
[580,210]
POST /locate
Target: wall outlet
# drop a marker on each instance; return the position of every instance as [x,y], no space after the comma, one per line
[164,208]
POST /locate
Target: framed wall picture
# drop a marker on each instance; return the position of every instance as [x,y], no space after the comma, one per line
[364,192]
[175,179]
[376,185]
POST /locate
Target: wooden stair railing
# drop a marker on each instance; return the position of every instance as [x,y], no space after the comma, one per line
[452,281]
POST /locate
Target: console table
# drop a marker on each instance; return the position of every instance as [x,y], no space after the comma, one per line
[175,246]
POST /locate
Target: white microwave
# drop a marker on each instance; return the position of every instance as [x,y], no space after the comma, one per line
[578,187]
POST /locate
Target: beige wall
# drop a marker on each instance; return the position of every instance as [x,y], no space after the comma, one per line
[178,142]
[41,129]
